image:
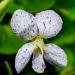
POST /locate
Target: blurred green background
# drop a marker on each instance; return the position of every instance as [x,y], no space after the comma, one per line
[10,43]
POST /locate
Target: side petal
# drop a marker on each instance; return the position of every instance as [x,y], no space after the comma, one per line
[23,23]
[23,56]
[55,55]
[49,23]
[38,64]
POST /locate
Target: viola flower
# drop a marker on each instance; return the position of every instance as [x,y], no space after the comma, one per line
[45,24]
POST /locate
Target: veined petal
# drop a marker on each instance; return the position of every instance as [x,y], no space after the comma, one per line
[38,64]
[23,56]
[49,23]
[23,24]
[55,55]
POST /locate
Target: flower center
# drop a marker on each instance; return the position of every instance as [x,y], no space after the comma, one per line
[39,42]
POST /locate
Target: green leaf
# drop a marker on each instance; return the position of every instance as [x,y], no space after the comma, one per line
[17,4]
[32,6]
[68,71]
[14,8]
[67,34]
[4,4]
[70,57]
[39,5]
[9,43]
[68,8]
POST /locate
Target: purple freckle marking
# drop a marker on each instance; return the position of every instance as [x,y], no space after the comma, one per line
[47,17]
[14,25]
[26,49]
[28,29]
[59,22]
[43,65]
[44,25]
[33,31]
[32,21]
[16,15]
[49,20]
[30,15]
[33,25]
[14,30]
[23,57]
[21,13]
[18,26]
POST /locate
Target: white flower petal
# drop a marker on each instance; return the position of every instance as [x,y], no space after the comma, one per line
[55,55]
[23,56]
[23,23]
[38,64]
[49,23]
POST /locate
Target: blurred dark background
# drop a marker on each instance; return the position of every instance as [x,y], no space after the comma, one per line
[10,43]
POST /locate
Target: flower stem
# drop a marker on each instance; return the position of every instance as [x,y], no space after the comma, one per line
[8,68]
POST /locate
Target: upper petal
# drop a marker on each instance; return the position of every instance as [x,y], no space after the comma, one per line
[23,24]
[38,63]
[55,55]
[23,56]
[49,23]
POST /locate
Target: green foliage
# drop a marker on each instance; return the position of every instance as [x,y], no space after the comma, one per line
[67,34]
[31,5]
[67,8]
[68,71]
[10,43]
[3,7]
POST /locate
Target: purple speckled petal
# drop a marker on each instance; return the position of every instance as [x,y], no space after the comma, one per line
[55,55]
[23,56]
[49,23]
[38,64]
[23,24]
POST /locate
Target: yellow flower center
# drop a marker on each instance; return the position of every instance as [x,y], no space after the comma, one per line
[39,42]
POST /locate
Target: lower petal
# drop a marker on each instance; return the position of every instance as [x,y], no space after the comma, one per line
[38,63]
[23,56]
[55,55]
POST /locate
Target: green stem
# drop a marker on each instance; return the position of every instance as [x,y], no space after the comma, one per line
[62,10]
[8,68]
[4,4]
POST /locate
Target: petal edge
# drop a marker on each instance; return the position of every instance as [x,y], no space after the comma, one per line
[23,56]
[55,55]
